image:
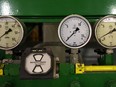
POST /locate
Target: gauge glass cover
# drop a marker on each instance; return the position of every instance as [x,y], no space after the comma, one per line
[11,32]
[105,31]
[74,31]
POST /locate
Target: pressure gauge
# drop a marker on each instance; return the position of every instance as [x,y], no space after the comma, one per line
[38,63]
[74,31]
[11,32]
[105,31]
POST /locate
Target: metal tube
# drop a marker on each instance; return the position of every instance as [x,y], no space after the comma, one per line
[100,68]
[81,68]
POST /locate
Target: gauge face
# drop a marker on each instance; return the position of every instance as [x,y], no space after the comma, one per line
[11,32]
[105,31]
[74,31]
[38,63]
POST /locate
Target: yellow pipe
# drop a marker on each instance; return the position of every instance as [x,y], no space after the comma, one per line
[100,68]
[1,69]
[1,72]
[81,68]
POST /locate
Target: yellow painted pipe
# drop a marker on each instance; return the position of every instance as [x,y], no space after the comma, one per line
[1,72]
[81,68]
[100,68]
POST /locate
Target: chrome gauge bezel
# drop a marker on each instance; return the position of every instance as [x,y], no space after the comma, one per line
[96,27]
[21,35]
[71,16]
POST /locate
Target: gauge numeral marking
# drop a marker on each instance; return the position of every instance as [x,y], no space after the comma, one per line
[16,32]
[18,25]
[102,39]
[110,26]
[81,38]
[79,24]
[6,27]
[13,44]
[6,23]
[82,35]
[13,26]
[110,43]
[14,39]
[6,44]
[74,44]
[7,37]
[111,36]
[102,25]
[0,26]
[66,25]
[80,43]
[74,27]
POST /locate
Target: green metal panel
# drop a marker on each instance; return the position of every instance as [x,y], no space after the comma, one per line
[55,10]
[57,7]
[67,78]
[107,59]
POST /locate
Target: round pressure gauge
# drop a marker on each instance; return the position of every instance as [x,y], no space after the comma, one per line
[11,32]
[105,31]
[74,31]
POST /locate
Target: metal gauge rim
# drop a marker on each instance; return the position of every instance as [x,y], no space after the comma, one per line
[78,16]
[22,31]
[97,24]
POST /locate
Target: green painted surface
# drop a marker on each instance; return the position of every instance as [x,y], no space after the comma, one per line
[67,78]
[57,7]
[85,80]
[55,10]
[107,59]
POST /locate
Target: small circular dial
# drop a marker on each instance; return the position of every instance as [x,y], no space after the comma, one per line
[74,31]
[105,31]
[11,32]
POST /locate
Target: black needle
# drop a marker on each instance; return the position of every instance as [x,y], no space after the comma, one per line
[6,32]
[73,33]
[108,33]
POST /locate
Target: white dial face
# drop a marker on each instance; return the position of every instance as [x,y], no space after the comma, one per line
[38,63]
[11,32]
[105,32]
[74,31]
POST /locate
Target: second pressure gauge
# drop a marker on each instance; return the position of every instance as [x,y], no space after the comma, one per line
[74,31]
[105,31]
[11,32]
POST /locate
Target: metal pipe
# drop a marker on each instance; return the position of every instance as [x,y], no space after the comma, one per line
[100,68]
[81,68]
